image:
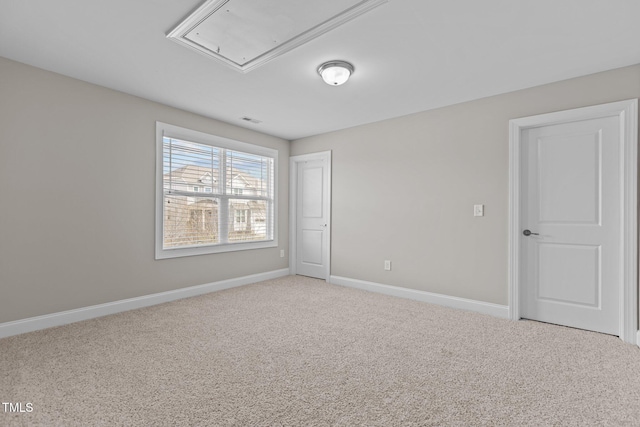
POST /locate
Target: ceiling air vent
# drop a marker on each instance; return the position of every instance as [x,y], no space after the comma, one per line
[244,34]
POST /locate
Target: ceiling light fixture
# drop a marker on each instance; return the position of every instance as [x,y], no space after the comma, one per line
[335,73]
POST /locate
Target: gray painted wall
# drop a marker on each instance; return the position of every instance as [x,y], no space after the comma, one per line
[77,172]
[404,189]
[77,169]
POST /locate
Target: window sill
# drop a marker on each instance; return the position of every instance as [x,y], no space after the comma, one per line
[206,249]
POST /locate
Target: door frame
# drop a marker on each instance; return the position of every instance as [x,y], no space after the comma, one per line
[627,113]
[293,202]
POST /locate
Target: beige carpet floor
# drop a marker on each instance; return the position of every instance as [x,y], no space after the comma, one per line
[299,352]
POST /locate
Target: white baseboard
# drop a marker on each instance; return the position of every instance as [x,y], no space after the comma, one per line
[65,317]
[638,339]
[438,299]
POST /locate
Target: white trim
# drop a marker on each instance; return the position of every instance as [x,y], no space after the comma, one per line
[70,316]
[629,163]
[496,310]
[513,266]
[293,199]
[638,339]
[627,111]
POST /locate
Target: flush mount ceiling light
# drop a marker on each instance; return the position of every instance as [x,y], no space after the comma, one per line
[335,73]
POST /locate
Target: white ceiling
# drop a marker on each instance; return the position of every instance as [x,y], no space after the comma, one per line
[409,55]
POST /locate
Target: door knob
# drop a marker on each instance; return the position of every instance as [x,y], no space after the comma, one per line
[529,233]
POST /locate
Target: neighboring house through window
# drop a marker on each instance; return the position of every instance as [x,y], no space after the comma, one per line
[199,177]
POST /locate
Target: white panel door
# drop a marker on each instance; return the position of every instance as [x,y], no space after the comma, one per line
[312,217]
[572,196]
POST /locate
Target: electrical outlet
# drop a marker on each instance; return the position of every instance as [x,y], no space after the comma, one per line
[387,265]
[478,210]
[281,253]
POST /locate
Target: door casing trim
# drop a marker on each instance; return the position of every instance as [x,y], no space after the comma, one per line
[293,199]
[627,112]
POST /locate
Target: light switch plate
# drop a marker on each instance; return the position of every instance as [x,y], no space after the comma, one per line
[478,210]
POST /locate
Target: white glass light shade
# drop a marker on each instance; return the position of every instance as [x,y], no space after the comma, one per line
[335,73]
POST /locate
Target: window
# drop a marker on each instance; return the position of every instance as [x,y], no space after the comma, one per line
[195,220]
[241,215]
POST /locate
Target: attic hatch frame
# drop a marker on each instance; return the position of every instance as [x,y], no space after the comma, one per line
[209,7]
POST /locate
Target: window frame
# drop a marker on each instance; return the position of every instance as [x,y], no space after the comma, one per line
[177,132]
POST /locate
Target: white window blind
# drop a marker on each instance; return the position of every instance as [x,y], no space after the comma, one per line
[217,194]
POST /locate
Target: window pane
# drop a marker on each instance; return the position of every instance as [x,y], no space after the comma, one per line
[188,165]
[190,221]
[249,174]
[247,220]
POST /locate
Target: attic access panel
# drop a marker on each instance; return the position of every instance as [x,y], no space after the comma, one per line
[247,33]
